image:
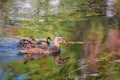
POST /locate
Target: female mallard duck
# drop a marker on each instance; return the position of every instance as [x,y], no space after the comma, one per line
[45,43]
[39,52]
[24,42]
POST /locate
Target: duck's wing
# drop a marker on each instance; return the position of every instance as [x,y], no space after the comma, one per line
[28,46]
[35,53]
[43,51]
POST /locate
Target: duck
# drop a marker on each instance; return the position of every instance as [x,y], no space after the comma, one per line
[40,52]
[40,43]
[24,42]
[44,42]
[32,40]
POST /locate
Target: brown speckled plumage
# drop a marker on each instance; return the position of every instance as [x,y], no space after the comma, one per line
[39,52]
[24,42]
[44,43]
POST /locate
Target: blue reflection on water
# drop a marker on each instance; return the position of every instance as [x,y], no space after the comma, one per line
[21,77]
[9,52]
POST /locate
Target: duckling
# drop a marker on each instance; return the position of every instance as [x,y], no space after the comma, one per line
[40,52]
[32,40]
[24,42]
[45,43]
[34,44]
[31,44]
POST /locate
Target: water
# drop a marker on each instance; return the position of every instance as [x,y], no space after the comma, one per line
[9,56]
[9,53]
[12,65]
[27,18]
[9,50]
[110,10]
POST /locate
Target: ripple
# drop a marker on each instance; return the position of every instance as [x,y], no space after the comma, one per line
[9,50]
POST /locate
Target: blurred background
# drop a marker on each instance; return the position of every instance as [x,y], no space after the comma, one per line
[76,20]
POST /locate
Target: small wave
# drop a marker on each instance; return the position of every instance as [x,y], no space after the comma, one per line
[9,50]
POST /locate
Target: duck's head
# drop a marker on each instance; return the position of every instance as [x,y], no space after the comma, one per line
[23,42]
[26,42]
[49,39]
[60,39]
[32,40]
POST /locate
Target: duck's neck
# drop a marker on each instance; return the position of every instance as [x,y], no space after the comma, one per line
[56,44]
[47,41]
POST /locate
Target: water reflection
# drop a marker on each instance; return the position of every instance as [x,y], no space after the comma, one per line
[22,10]
[110,9]
[9,50]
[11,64]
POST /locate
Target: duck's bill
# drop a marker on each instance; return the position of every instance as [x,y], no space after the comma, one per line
[66,42]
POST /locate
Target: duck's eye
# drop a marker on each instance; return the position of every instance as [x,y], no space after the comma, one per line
[59,39]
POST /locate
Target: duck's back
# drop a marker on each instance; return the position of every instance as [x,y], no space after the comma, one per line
[40,52]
